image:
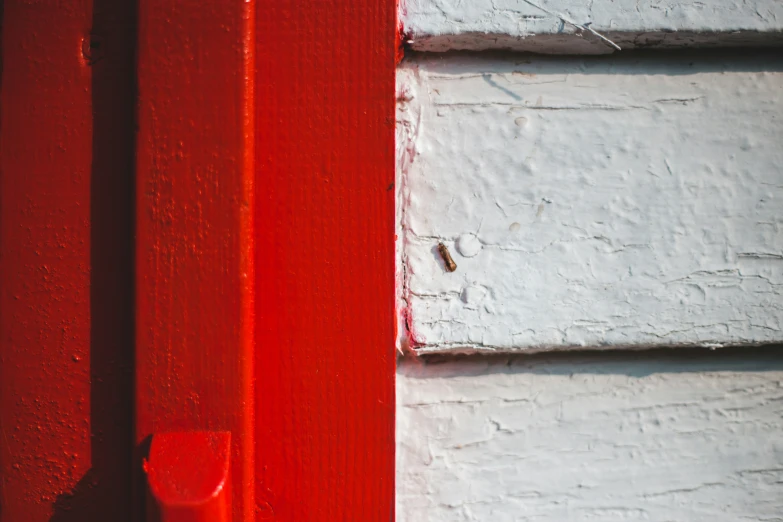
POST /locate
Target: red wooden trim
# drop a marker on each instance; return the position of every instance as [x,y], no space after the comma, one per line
[189,477]
[45,309]
[194,242]
[66,149]
[325,260]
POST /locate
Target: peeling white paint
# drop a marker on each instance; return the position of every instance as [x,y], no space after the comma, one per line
[603,437]
[568,26]
[607,202]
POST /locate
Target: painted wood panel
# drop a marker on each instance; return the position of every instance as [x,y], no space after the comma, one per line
[194,256]
[596,27]
[612,437]
[66,274]
[324,190]
[599,202]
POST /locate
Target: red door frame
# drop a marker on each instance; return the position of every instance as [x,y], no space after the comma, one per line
[264,237]
[302,96]
[266,206]
[325,112]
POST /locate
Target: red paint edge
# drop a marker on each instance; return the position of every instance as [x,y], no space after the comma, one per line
[194,255]
[400,51]
[325,361]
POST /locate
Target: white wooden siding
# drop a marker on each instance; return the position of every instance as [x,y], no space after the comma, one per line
[564,26]
[603,437]
[621,201]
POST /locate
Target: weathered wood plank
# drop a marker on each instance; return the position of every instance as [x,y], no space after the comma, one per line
[625,202]
[565,26]
[610,437]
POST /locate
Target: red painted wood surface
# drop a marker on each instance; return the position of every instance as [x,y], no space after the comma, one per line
[194,263]
[66,149]
[188,475]
[324,357]
[325,260]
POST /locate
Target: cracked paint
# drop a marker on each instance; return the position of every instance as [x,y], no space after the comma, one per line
[604,436]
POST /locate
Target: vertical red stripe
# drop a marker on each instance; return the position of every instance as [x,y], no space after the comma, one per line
[45,219]
[325,260]
[65,260]
[194,241]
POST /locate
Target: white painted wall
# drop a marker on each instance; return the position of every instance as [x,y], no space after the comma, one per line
[602,437]
[569,26]
[623,201]
[619,202]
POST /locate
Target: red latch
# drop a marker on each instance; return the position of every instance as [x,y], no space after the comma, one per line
[188,477]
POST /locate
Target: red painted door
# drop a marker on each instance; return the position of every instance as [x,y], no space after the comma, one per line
[196,255]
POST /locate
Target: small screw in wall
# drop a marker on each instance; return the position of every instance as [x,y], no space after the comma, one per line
[446,256]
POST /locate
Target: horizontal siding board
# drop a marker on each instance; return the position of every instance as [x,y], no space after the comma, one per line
[610,437]
[558,26]
[600,202]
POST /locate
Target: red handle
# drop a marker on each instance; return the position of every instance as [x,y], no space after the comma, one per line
[188,477]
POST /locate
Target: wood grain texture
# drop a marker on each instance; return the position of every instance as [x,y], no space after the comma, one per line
[66,156]
[325,260]
[661,435]
[194,239]
[608,202]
